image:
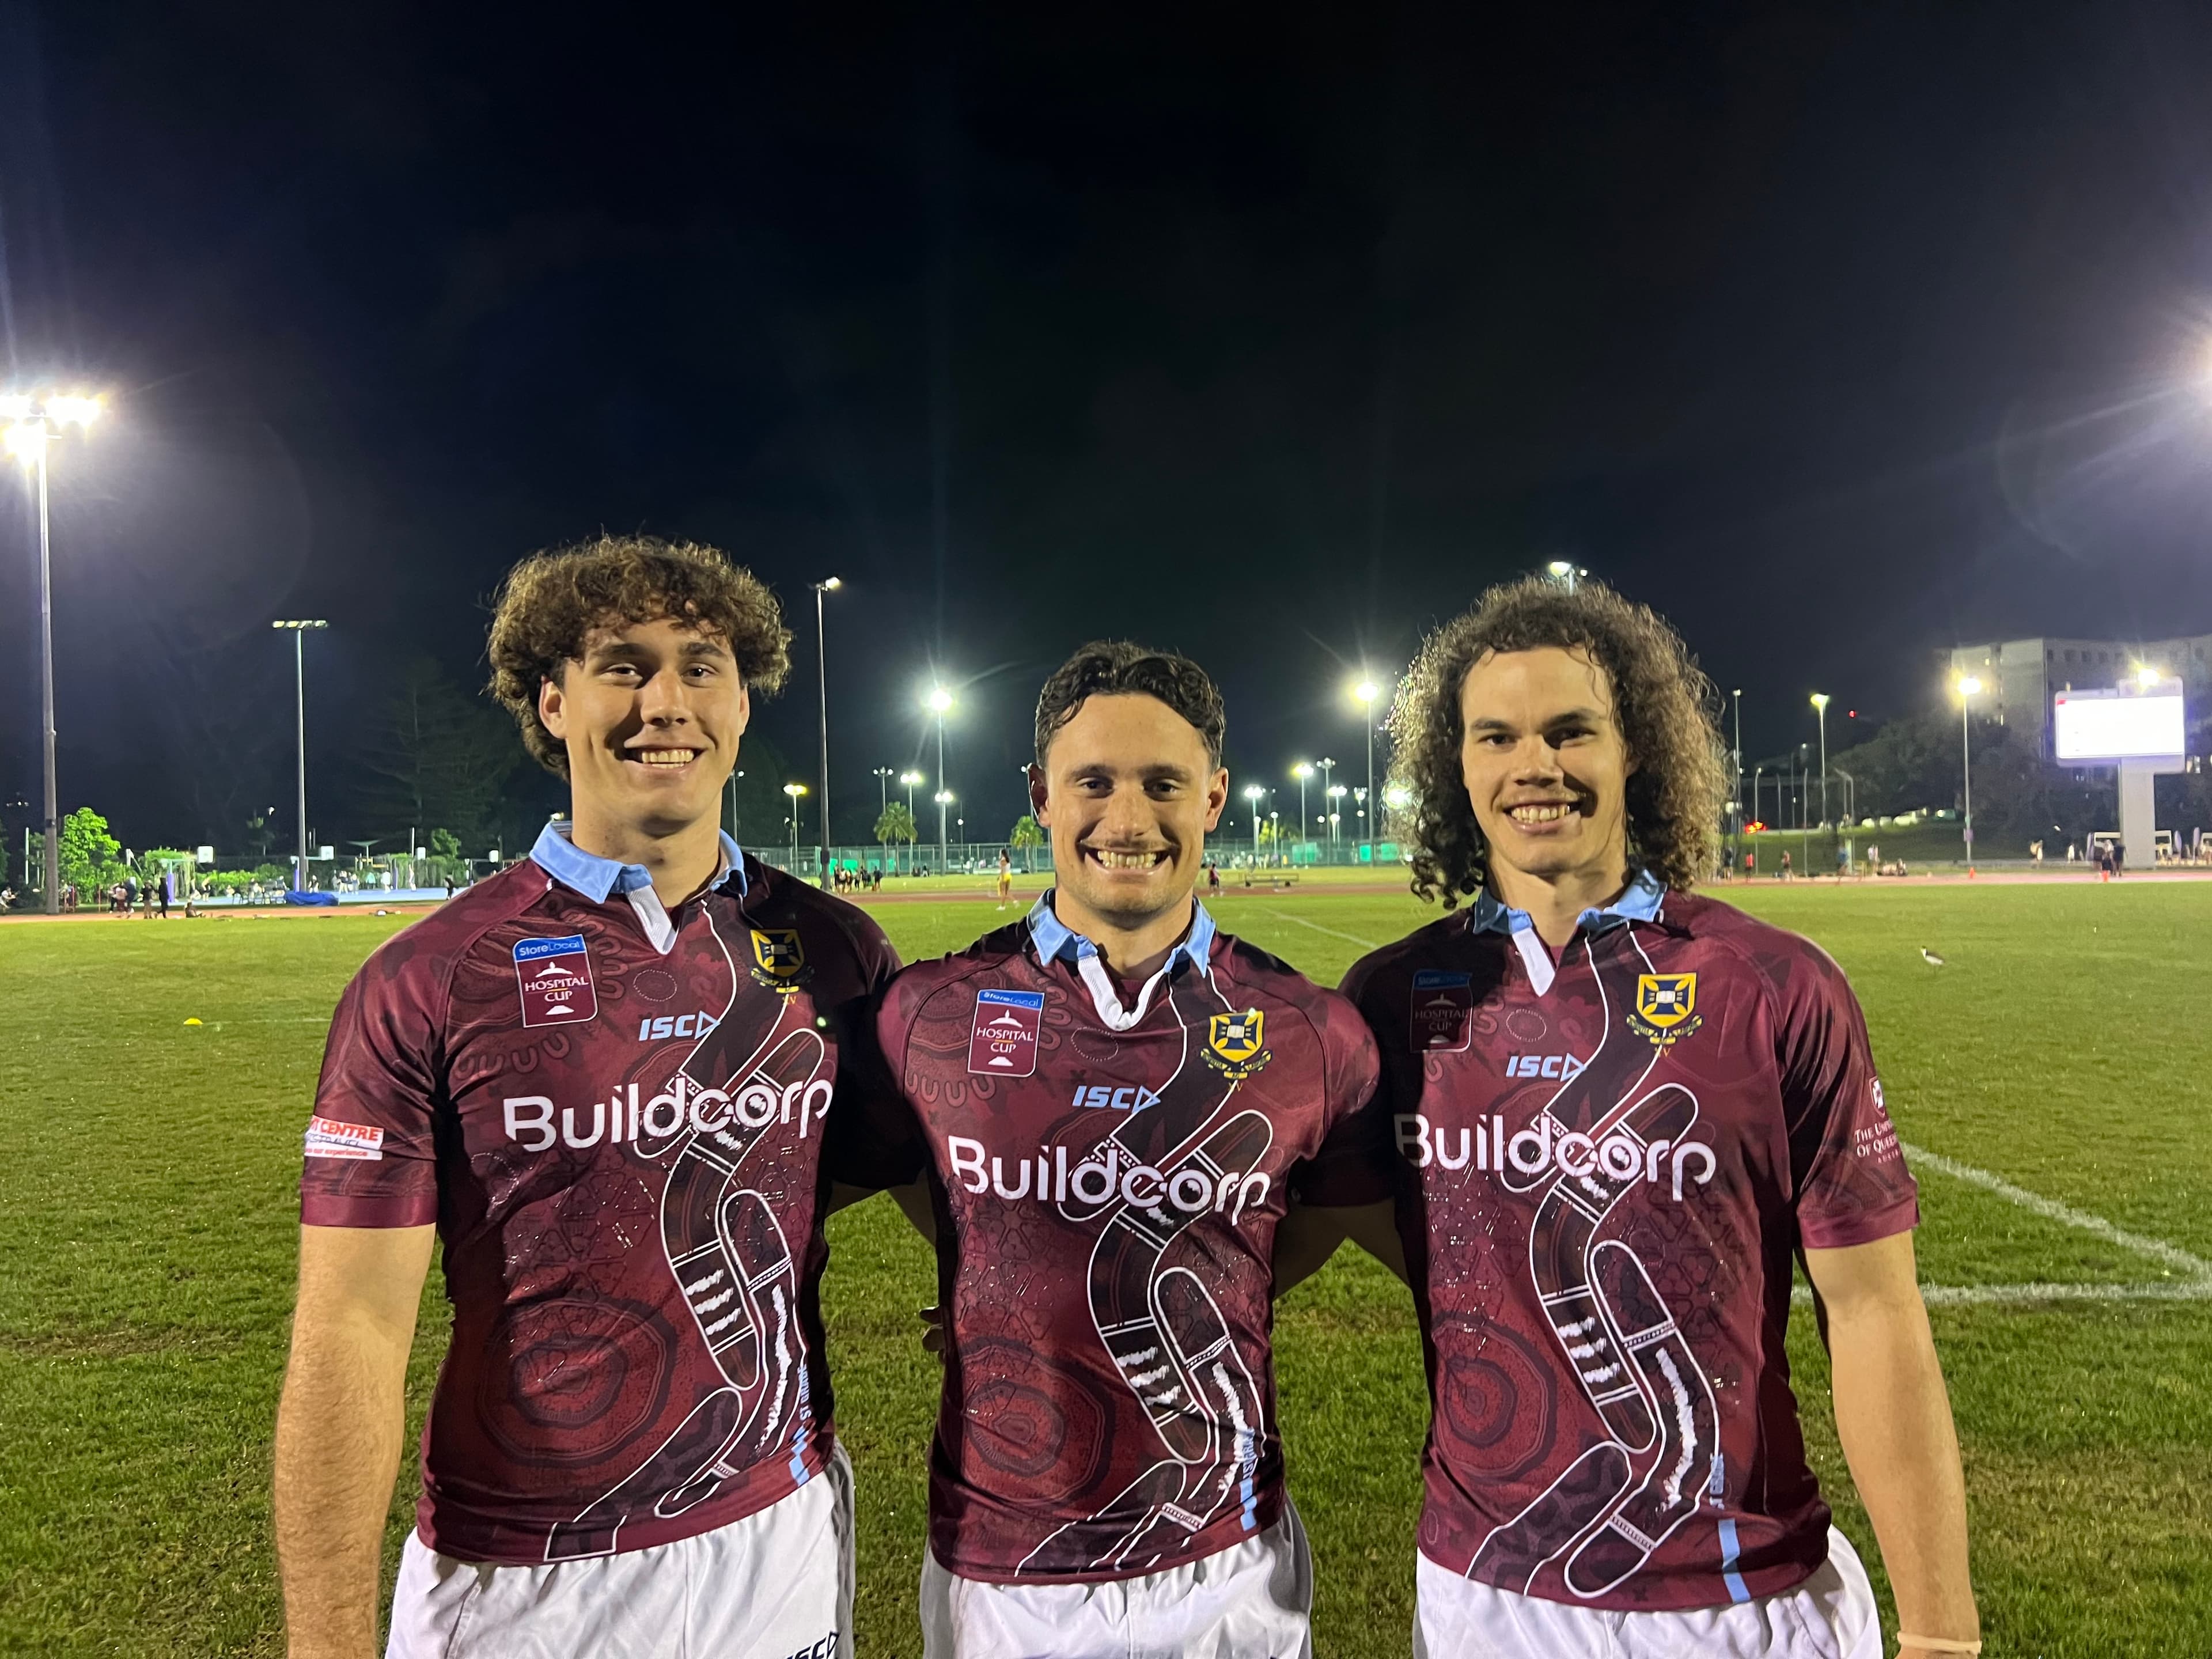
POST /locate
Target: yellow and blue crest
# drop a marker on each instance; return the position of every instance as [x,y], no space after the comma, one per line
[1666,1007]
[779,958]
[1236,1043]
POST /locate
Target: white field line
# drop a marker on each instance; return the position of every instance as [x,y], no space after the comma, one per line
[2195,1285]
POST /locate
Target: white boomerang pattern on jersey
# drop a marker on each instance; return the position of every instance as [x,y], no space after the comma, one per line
[1623,1497]
[739,1275]
[1164,1330]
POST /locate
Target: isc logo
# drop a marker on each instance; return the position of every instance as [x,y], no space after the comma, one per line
[1557,1065]
[1127,1099]
[683,1025]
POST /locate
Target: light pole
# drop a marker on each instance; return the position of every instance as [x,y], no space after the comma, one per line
[884,788]
[1335,793]
[1755,771]
[1252,793]
[1968,687]
[1566,572]
[1820,707]
[300,685]
[910,779]
[940,704]
[793,791]
[1364,694]
[33,419]
[1738,758]
[827,584]
[1302,772]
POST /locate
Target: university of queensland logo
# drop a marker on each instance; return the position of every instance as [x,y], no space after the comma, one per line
[779,960]
[1666,1008]
[1235,1044]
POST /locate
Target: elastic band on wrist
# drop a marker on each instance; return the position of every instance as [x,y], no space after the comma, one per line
[1938,1644]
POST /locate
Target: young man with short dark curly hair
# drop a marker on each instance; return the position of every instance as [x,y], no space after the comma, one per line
[1619,1111]
[603,1077]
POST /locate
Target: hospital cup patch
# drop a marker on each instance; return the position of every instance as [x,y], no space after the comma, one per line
[1004,1041]
[554,978]
[1443,1010]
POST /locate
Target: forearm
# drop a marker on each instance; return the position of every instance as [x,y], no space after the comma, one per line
[1893,1418]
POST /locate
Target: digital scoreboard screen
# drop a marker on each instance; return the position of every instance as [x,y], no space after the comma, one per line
[2109,726]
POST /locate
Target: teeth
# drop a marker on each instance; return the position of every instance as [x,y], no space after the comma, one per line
[1124,861]
[1539,814]
[666,757]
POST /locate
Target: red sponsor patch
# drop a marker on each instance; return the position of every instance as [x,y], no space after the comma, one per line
[1004,1041]
[554,978]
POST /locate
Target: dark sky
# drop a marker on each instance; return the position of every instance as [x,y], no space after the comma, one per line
[1839,334]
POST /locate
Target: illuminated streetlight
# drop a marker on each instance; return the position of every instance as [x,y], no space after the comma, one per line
[939,704]
[1969,688]
[1566,572]
[2147,677]
[298,630]
[1302,771]
[1820,707]
[1335,792]
[883,775]
[1252,793]
[1366,693]
[795,791]
[912,781]
[34,417]
[827,584]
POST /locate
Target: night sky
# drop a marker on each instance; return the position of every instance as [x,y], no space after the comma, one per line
[1839,334]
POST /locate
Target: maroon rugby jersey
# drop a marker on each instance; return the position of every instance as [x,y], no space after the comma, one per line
[1107,1202]
[1602,1181]
[621,1148]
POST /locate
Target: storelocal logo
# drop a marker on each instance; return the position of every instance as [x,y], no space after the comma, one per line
[1108,1172]
[532,1123]
[1544,1145]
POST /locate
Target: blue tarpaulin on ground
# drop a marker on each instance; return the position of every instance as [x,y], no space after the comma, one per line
[295,897]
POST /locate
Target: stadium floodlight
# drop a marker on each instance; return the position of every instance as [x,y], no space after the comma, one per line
[795,791]
[1252,793]
[827,584]
[910,780]
[299,632]
[34,418]
[2147,677]
[1969,688]
[1821,708]
[1565,572]
[1302,771]
[938,702]
[1366,693]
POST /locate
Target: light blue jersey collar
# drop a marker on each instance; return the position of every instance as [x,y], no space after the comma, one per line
[1639,902]
[595,878]
[1056,941]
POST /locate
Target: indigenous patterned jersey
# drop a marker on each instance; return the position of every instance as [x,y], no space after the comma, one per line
[1107,1190]
[1605,1167]
[620,1138]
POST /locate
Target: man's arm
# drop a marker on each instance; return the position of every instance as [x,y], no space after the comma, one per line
[338,1429]
[1309,1233]
[1894,1420]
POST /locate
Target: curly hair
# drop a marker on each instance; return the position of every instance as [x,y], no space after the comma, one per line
[1110,668]
[552,601]
[1668,713]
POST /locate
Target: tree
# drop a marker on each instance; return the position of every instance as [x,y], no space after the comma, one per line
[1028,835]
[896,824]
[91,858]
[434,754]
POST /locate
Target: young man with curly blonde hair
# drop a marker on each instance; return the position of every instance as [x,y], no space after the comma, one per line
[1618,1112]
[602,1077]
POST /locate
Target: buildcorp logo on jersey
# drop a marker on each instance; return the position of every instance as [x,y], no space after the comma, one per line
[1545,1146]
[1108,1171]
[681,1107]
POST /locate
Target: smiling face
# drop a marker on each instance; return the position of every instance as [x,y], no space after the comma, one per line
[1128,792]
[650,716]
[1546,766]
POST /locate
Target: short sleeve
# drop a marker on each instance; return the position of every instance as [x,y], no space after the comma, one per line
[1352,1165]
[1846,1167]
[876,1141]
[370,1159]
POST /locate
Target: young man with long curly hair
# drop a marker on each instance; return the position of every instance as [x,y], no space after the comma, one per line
[601,1077]
[1620,1112]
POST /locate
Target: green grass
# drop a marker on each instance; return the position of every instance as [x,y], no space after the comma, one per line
[147,1217]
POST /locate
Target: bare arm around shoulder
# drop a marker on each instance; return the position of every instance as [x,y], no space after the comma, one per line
[1308,1235]
[338,1429]
[1894,1420]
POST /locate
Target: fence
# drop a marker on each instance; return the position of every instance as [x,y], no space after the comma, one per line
[981,857]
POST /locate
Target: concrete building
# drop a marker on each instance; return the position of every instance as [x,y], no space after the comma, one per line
[2020,676]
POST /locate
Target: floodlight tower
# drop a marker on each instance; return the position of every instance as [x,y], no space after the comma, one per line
[1252,793]
[827,584]
[32,418]
[1969,687]
[1302,771]
[910,779]
[298,630]
[1820,707]
[1365,694]
[793,791]
[939,703]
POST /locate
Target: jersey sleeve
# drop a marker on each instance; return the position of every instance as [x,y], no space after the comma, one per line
[1846,1167]
[370,1159]
[877,1143]
[1352,1165]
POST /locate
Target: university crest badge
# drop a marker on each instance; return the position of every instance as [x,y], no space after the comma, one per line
[1236,1043]
[1666,1008]
[779,960]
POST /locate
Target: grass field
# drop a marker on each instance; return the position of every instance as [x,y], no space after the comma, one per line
[2053,1078]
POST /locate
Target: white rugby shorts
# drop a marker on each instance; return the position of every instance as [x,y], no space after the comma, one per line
[1832,1615]
[1251,1600]
[775,1585]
